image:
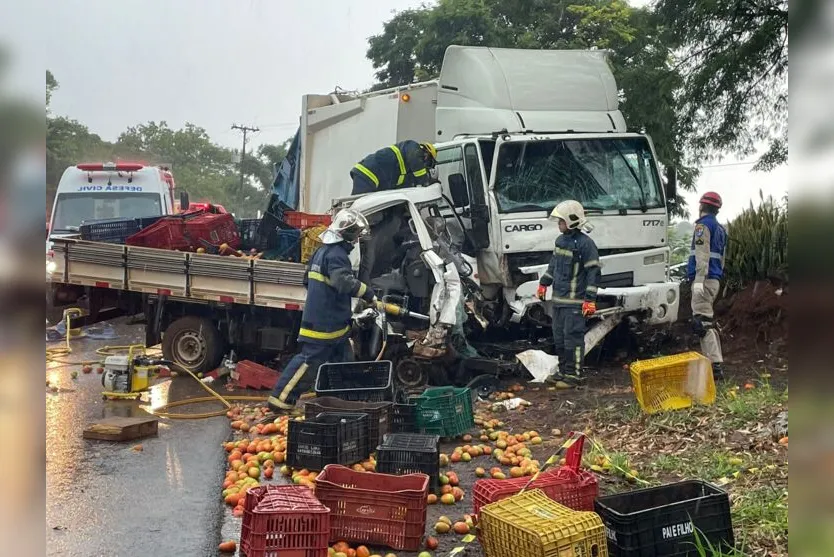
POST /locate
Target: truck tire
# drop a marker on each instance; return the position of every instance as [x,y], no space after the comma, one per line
[193,343]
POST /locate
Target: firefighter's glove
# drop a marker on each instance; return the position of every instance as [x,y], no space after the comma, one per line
[589,308]
[698,288]
[541,292]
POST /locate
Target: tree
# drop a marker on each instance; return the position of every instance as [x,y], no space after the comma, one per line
[51,87]
[734,59]
[261,165]
[413,42]
[204,169]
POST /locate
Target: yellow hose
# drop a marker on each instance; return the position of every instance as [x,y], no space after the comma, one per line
[215,396]
[53,355]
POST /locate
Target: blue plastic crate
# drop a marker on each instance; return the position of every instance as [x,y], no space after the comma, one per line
[284,245]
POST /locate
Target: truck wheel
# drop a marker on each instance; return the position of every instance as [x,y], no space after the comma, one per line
[193,343]
[53,315]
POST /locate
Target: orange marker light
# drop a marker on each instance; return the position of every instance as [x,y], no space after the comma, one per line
[405,97]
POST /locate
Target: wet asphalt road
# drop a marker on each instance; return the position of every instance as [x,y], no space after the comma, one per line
[106,499]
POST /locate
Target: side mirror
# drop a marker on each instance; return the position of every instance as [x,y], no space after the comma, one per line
[457,187]
[671,183]
[183,201]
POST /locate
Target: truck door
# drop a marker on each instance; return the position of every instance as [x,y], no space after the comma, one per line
[462,175]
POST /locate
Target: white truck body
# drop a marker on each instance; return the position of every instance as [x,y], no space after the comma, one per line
[201,277]
[480,91]
[491,101]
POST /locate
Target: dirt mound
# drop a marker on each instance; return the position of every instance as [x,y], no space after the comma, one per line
[757,314]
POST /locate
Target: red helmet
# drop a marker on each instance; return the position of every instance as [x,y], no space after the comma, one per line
[711,198]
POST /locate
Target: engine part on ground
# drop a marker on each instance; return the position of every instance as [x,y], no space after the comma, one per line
[411,373]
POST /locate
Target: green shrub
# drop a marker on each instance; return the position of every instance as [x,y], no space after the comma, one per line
[758,244]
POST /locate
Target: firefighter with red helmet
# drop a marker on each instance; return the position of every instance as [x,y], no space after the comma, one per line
[704,271]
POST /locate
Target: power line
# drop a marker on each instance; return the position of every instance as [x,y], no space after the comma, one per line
[245,130]
[748,163]
[281,125]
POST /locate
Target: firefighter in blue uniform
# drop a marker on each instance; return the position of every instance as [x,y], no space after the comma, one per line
[326,320]
[405,164]
[705,270]
[574,273]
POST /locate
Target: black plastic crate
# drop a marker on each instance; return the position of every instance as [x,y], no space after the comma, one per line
[111,231]
[661,521]
[273,220]
[330,438]
[404,417]
[366,381]
[410,453]
[379,414]
[250,236]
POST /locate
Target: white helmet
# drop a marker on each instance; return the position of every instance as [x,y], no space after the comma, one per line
[571,212]
[348,226]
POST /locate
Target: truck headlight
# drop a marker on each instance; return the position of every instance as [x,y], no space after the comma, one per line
[50,267]
[661,311]
[671,295]
[654,259]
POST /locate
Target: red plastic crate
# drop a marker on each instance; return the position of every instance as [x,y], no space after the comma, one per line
[250,375]
[188,232]
[284,521]
[374,509]
[568,485]
[300,220]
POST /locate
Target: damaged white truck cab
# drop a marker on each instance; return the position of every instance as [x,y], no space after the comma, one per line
[517,131]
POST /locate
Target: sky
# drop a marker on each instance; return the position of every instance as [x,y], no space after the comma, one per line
[217,62]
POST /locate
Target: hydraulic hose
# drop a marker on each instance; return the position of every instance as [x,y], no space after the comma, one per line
[384,324]
[54,355]
[163,413]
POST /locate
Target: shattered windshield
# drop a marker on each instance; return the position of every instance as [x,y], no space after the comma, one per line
[600,173]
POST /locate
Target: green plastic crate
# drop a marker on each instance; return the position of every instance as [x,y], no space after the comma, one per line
[445,411]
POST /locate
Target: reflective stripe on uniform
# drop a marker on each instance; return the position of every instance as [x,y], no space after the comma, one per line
[574,279]
[364,170]
[712,254]
[319,277]
[296,377]
[319,335]
[561,251]
[577,354]
[592,263]
[567,301]
[362,289]
[592,288]
[421,172]
[400,160]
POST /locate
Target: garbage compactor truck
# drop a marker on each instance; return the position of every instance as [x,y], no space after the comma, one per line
[517,131]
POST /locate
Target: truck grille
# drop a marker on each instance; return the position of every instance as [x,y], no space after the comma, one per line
[516,260]
[618,280]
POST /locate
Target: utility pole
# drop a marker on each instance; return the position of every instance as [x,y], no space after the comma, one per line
[245,130]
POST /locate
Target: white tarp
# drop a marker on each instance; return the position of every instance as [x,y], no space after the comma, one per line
[541,365]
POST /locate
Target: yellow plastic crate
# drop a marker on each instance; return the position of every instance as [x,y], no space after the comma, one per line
[532,525]
[310,242]
[673,382]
